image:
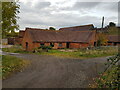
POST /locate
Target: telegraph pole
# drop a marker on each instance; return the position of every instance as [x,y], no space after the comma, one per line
[102,22]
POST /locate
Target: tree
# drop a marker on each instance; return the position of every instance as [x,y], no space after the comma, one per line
[112,24]
[52,28]
[102,39]
[113,31]
[9,18]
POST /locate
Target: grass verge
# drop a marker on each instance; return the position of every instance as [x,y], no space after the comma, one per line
[102,52]
[15,49]
[12,64]
[80,53]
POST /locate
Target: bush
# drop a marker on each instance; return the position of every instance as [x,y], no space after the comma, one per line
[109,78]
[46,47]
[40,49]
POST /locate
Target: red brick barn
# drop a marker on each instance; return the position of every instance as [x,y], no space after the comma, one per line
[113,40]
[34,38]
[18,40]
[21,35]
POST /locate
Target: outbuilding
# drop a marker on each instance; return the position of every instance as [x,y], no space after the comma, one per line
[34,38]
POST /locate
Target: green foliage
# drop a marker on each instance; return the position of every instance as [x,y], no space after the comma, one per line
[112,24]
[39,49]
[80,53]
[14,34]
[15,49]
[110,78]
[97,52]
[42,49]
[52,28]
[113,31]
[98,42]
[46,47]
[9,18]
[11,64]
[102,39]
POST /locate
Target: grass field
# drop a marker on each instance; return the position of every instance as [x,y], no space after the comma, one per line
[12,64]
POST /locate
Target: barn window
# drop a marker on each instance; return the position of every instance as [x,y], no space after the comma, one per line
[52,44]
[60,44]
[41,44]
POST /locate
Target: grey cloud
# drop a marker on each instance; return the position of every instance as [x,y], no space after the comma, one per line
[41,5]
[109,6]
[28,9]
[61,20]
[81,6]
[34,16]
[85,5]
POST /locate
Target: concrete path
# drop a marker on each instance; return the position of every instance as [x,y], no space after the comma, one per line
[55,72]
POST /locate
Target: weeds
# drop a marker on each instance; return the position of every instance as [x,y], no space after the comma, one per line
[110,78]
[11,64]
[99,52]
[80,53]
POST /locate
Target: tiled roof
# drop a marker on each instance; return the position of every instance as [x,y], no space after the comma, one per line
[114,38]
[40,35]
[78,28]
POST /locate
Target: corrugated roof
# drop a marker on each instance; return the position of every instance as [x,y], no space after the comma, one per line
[40,35]
[79,28]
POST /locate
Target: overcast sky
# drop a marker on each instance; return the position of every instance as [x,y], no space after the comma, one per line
[65,13]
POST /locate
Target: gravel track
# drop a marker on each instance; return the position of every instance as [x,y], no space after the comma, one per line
[55,72]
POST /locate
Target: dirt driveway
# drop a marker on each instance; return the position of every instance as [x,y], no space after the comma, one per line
[55,72]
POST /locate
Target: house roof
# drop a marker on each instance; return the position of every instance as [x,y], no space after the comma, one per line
[101,29]
[114,38]
[79,28]
[40,35]
[21,33]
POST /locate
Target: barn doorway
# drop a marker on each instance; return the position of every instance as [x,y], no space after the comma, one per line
[95,44]
[67,45]
[26,45]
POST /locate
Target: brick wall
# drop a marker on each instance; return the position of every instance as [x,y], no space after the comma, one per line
[78,45]
[47,44]
[28,39]
[57,45]
[36,45]
[18,40]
